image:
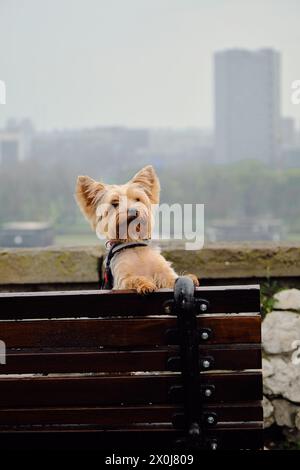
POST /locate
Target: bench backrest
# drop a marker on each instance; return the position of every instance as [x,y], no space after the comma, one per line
[106,366]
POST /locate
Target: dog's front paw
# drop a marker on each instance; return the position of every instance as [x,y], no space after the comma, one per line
[194,279]
[145,287]
[141,284]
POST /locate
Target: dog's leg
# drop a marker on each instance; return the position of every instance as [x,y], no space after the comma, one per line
[141,284]
[166,280]
[194,279]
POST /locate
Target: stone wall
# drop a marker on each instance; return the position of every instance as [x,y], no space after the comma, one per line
[281,361]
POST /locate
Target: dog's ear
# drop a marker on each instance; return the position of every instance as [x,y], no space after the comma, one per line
[148,180]
[88,192]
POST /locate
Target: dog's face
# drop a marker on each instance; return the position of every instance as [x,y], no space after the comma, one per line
[120,212]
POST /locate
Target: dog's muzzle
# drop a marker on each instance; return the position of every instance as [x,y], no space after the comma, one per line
[132,214]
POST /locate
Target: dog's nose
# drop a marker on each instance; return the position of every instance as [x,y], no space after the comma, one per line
[132,213]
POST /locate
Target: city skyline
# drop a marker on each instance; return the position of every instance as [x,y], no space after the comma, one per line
[139,64]
[248,125]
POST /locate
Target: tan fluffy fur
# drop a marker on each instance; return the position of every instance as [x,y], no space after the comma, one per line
[143,269]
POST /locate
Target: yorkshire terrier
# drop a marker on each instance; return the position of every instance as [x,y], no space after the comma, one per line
[124,214]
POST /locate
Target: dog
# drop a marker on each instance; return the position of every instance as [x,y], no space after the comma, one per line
[124,215]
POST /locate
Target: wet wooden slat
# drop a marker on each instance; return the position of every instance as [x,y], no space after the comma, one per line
[223,299]
[124,415]
[129,389]
[229,436]
[225,357]
[130,332]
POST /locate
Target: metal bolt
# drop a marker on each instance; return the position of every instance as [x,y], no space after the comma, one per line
[208,392]
[210,419]
[204,335]
[206,363]
[203,307]
[167,309]
[194,430]
[213,446]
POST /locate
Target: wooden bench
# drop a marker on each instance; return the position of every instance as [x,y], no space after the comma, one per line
[116,370]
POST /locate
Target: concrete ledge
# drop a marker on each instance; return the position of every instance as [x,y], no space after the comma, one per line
[227,261]
[59,265]
[49,265]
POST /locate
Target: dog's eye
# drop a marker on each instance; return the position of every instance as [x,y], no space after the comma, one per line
[137,199]
[115,204]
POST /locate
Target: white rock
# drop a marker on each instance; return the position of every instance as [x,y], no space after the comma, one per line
[285,412]
[297,420]
[288,299]
[268,412]
[267,368]
[285,379]
[279,331]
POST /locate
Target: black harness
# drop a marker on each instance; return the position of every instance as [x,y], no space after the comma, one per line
[108,279]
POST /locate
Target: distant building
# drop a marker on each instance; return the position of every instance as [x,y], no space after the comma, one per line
[11,147]
[26,234]
[290,146]
[15,142]
[247,105]
[172,146]
[90,149]
[245,230]
[288,132]
[290,157]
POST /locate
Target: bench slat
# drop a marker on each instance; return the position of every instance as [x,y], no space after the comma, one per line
[232,299]
[230,436]
[124,415]
[123,332]
[131,389]
[226,357]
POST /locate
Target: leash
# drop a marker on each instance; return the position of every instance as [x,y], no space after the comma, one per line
[108,279]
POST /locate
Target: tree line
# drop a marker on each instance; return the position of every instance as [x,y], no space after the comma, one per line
[31,191]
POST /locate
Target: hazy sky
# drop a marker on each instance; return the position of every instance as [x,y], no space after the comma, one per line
[74,63]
